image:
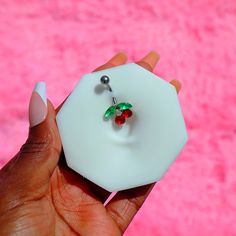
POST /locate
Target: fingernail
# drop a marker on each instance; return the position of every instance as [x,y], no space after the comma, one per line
[176,84]
[38,104]
[151,58]
[118,59]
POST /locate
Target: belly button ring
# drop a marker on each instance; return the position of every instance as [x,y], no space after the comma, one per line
[121,110]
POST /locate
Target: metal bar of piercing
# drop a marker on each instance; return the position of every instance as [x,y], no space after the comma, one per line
[105,80]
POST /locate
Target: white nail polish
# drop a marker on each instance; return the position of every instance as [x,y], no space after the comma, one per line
[38,104]
[40,88]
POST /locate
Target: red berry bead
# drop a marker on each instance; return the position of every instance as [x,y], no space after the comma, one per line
[127,113]
[120,120]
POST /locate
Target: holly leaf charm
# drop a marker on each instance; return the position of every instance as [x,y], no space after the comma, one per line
[110,111]
[123,106]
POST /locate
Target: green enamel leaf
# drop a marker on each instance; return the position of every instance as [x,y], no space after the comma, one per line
[110,111]
[123,106]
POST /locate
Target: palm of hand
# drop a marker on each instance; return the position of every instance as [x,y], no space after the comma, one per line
[66,206]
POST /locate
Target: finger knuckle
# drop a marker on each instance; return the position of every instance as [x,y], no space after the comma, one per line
[38,145]
[35,145]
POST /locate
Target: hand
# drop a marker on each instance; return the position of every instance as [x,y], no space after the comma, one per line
[40,195]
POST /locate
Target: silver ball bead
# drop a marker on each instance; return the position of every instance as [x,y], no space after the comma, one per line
[105,79]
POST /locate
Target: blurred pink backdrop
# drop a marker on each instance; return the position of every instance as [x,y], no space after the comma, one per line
[57,41]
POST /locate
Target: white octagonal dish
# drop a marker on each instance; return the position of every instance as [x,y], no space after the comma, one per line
[135,154]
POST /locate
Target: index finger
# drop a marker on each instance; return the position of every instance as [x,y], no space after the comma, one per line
[149,61]
[117,60]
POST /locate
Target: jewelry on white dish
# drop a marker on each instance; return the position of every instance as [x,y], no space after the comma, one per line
[121,110]
[135,153]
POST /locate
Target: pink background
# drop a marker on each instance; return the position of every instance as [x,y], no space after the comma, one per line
[58,41]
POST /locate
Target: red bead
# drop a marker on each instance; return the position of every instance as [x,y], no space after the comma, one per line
[120,120]
[127,113]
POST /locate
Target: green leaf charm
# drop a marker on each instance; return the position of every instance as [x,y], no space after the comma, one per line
[110,111]
[123,106]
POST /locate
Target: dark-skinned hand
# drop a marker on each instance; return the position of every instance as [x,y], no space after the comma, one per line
[40,195]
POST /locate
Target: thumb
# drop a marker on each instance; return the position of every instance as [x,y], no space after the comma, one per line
[30,170]
[43,145]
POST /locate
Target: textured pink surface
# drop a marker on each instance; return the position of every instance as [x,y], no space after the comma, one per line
[58,41]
